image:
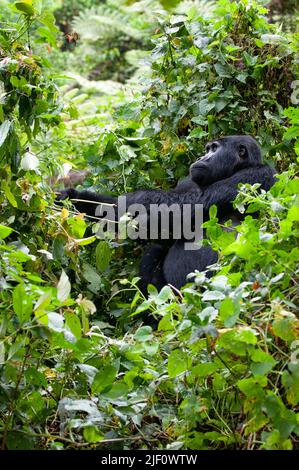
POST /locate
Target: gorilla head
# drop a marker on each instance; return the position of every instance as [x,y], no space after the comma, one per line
[224,157]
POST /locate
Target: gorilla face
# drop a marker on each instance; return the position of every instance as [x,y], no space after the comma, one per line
[224,157]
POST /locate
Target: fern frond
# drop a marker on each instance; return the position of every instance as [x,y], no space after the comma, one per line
[103,23]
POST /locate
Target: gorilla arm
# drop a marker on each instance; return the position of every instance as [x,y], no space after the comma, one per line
[84,200]
[221,193]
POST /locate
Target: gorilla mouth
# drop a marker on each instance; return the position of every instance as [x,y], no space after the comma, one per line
[199,173]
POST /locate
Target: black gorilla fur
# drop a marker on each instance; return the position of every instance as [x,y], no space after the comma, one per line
[213,179]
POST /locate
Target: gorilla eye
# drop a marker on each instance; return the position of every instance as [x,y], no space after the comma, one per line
[214,147]
[207,148]
[242,151]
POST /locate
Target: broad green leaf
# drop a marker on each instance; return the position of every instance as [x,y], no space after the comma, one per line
[77,226]
[263,362]
[18,82]
[92,435]
[117,393]
[104,379]
[103,255]
[290,380]
[223,70]
[29,162]
[63,287]
[213,295]
[198,133]
[44,301]
[55,321]
[48,19]
[286,328]
[126,153]
[92,277]
[22,303]
[228,313]
[4,130]
[25,7]
[178,362]
[204,369]
[5,231]
[73,324]
[144,333]
[9,195]
[16,440]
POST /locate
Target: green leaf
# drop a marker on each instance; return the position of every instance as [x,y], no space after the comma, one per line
[104,379]
[10,197]
[197,133]
[91,434]
[18,82]
[126,153]
[204,106]
[144,333]
[16,440]
[63,287]
[212,295]
[4,130]
[85,241]
[103,255]
[25,7]
[264,362]
[178,362]
[222,70]
[290,380]
[22,303]
[117,393]
[48,19]
[204,370]
[286,328]
[5,231]
[92,277]
[77,226]
[227,312]
[29,162]
[73,324]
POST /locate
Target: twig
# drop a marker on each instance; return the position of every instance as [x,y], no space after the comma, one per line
[94,202]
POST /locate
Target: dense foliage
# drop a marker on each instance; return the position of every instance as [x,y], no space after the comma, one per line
[85,360]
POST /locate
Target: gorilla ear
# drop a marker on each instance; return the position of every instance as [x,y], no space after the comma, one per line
[243,152]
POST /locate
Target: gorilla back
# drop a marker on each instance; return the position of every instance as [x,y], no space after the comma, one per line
[212,180]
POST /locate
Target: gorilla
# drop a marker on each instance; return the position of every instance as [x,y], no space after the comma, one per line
[212,180]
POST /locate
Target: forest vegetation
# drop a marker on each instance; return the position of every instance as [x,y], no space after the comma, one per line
[113,96]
